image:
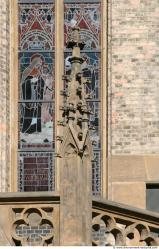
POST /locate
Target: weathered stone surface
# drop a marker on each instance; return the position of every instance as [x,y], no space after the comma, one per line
[152,166]
[3,239]
[127,168]
[132,169]
[130,193]
[116,224]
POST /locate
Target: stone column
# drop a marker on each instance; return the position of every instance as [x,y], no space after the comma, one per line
[4,95]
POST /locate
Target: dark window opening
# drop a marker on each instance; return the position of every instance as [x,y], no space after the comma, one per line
[152,197]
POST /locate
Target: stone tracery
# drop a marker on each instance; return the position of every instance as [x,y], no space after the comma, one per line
[109,230]
[33,227]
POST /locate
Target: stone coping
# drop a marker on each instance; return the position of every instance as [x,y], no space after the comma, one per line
[125,210]
[29,197]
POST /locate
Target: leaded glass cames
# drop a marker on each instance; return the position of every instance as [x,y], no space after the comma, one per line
[36,96]
[37,86]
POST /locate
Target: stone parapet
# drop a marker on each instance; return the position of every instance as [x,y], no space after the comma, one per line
[115,224]
[33,219]
[29,219]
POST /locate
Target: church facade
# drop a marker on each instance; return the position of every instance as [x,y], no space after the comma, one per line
[79,123]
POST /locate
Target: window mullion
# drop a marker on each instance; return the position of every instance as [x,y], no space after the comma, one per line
[59,67]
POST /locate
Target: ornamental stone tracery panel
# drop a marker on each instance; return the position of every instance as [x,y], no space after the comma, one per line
[114,230]
[33,226]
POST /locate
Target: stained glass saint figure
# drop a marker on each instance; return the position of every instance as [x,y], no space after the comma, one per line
[32,89]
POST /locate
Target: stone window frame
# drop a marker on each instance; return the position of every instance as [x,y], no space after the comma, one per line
[59,69]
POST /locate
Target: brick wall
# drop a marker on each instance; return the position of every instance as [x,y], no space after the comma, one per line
[4,95]
[133,77]
[34,234]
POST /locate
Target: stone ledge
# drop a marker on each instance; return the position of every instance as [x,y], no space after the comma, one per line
[29,197]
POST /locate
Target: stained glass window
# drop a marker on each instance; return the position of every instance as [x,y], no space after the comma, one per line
[87,16]
[36,95]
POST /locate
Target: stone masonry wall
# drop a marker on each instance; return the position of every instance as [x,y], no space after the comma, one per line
[133,77]
[4,95]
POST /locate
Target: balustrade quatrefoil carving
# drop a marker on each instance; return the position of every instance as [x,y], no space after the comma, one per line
[33,227]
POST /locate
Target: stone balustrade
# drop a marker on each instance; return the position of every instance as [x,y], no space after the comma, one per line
[29,219]
[33,219]
[121,225]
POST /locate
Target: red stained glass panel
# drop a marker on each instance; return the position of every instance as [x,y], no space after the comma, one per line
[36,27]
[36,171]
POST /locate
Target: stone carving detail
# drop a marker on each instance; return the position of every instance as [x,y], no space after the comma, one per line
[108,230]
[33,227]
[75,110]
[75,152]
